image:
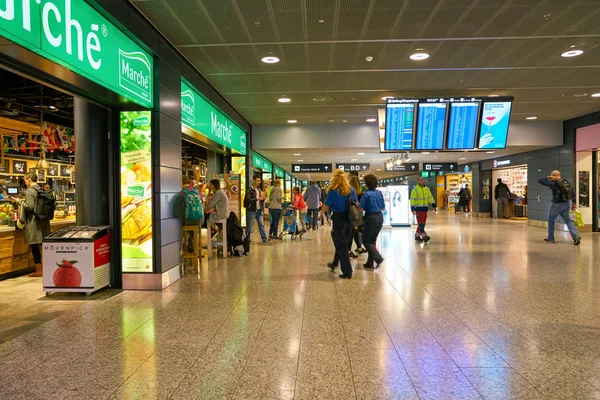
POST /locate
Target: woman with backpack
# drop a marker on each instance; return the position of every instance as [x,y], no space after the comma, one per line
[35,228]
[339,193]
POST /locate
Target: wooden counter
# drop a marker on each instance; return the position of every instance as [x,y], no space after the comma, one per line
[15,257]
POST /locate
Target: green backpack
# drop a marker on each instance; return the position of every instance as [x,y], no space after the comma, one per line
[192,205]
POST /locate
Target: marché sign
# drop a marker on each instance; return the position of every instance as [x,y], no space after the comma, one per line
[74,35]
[202,117]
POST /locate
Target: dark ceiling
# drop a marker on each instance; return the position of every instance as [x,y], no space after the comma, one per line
[24,100]
[477,47]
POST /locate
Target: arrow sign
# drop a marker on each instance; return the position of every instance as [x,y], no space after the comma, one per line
[440,167]
[311,167]
[354,166]
[403,167]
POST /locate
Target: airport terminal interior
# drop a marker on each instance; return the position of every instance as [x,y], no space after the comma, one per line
[299,199]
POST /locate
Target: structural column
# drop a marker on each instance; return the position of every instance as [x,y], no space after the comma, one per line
[91,163]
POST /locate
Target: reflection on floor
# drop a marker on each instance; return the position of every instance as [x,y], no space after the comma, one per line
[486,310]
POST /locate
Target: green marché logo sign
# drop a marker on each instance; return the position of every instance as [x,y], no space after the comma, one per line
[73,34]
[202,117]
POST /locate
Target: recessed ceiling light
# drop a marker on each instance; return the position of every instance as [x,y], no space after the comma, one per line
[369,58]
[419,56]
[378,169]
[332,120]
[596,95]
[343,120]
[297,154]
[284,100]
[572,53]
[353,159]
[531,118]
[494,95]
[321,21]
[319,99]
[291,121]
[371,120]
[384,98]
[360,154]
[426,152]
[270,60]
[580,95]
[490,152]
[299,160]
[463,158]
[52,108]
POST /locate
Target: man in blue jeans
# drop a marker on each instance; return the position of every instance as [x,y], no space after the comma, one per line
[312,197]
[560,205]
[254,209]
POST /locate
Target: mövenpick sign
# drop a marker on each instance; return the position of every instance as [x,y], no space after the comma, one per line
[75,35]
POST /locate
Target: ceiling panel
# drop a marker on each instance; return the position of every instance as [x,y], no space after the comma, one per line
[477,47]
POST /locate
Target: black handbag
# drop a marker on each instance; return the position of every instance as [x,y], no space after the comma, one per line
[354,214]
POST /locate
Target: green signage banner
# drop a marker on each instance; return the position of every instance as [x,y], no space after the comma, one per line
[73,34]
[201,116]
[136,191]
[279,172]
[261,163]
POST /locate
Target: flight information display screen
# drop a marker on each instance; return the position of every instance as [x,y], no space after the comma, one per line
[431,126]
[495,119]
[399,126]
[462,129]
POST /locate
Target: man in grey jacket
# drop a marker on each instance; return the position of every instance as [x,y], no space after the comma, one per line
[275,209]
[312,196]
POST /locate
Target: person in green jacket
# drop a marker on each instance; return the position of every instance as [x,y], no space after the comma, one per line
[420,200]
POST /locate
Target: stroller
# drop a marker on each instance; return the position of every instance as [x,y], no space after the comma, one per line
[290,227]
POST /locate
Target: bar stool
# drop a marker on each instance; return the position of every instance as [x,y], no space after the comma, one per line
[215,243]
[195,255]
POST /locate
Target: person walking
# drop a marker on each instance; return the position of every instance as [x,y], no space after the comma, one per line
[254,203]
[372,203]
[338,194]
[562,202]
[299,204]
[464,199]
[501,194]
[275,199]
[356,234]
[420,200]
[35,229]
[312,196]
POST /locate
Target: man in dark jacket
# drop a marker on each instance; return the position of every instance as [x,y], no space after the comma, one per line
[559,206]
[254,203]
[501,194]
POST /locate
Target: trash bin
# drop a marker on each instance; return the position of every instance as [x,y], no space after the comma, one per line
[76,259]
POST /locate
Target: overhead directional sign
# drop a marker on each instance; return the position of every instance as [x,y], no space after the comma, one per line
[440,167]
[405,167]
[360,167]
[311,167]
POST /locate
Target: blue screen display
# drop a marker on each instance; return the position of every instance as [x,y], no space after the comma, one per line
[463,125]
[431,126]
[399,126]
[495,119]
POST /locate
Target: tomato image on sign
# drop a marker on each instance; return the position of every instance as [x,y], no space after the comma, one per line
[67,275]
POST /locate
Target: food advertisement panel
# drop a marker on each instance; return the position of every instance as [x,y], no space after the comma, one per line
[239,167]
[136,191]
[232,186]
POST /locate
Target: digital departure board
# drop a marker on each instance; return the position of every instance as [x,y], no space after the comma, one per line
[462,129]
[495,120]
[399,126]
[431,126]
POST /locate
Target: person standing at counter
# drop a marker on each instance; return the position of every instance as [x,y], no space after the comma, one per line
[35,229]
[501,194]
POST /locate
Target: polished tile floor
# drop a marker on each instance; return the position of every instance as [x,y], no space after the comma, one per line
[486,310]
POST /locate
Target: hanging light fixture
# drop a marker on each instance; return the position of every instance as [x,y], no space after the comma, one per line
[42,163]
